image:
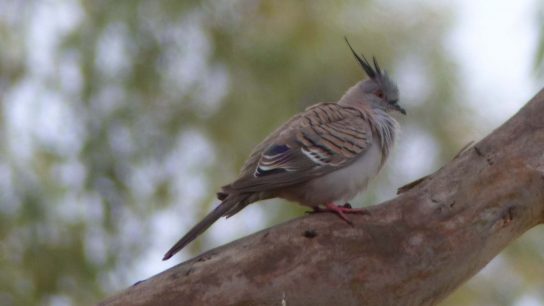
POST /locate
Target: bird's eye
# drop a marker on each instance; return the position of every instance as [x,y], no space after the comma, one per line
[379,94]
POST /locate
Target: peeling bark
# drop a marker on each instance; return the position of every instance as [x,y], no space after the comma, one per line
[413,250]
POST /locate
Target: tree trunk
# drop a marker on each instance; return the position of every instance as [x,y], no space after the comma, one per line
[413,250]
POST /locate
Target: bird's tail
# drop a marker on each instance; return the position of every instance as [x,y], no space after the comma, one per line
[230,204]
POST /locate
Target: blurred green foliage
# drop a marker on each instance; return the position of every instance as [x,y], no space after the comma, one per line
[105,105]
[539,62]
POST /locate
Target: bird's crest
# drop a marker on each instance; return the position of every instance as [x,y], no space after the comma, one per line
[375,73]
[370,71]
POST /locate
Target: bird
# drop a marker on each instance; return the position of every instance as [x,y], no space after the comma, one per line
[321,157]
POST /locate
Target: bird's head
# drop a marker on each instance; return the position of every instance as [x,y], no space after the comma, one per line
[381,90]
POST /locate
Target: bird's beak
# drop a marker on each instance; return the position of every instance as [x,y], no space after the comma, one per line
[401,110]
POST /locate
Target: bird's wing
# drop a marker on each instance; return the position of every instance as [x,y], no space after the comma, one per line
[323,138]
[248,169]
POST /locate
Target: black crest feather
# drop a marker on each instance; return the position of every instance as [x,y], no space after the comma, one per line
[372,72]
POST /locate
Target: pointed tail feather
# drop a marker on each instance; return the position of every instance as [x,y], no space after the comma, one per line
[229,203]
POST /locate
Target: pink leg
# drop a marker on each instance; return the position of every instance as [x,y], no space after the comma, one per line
[342,210]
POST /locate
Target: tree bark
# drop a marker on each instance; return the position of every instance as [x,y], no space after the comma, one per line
[413,250]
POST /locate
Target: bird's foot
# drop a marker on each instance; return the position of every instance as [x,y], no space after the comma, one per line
[318,209]
[346,205]
[341,210]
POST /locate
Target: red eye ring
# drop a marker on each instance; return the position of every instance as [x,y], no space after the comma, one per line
[379,94]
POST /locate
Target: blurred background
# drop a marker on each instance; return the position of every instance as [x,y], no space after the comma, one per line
[120,120]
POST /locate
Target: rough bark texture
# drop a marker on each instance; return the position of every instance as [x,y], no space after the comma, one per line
[413,250]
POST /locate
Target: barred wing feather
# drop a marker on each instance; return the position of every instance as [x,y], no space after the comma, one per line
[323,138]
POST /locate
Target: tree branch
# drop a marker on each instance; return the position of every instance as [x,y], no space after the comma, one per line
[413,250]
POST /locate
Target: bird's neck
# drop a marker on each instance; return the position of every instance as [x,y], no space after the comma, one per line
[350,98]
[383,124]
[386,128]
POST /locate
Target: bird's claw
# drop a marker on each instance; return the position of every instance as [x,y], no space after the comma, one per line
[341,210]
[346,205]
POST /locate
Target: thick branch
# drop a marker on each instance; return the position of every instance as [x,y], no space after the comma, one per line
[413,250]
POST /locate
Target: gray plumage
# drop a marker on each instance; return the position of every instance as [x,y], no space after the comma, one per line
[322,156]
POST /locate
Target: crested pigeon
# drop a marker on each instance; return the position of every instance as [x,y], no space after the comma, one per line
[321,157]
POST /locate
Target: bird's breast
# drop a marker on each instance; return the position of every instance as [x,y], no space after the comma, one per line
[341,185]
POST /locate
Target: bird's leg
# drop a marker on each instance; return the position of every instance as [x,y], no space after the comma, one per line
[342,210]
[339,210]
[347,205]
